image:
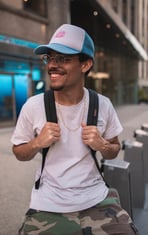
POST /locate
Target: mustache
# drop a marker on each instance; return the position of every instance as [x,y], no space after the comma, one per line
[56,71]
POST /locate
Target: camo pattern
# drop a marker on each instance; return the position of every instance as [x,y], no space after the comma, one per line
[106,218]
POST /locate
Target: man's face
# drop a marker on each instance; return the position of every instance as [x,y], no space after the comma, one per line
[65,70]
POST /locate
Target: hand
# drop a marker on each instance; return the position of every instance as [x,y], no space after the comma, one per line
[92,137]
[49,134]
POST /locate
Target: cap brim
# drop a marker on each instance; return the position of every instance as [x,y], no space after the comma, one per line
[44,49]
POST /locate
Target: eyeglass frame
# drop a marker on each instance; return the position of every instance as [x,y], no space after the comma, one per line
[58,58]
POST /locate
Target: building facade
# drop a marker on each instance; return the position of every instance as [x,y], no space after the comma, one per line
[134,14]
[142,35]
[118,28]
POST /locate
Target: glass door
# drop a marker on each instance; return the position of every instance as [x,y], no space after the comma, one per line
[21,88]
[6,99]
[13,94]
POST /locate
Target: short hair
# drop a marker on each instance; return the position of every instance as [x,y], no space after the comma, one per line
[83,58]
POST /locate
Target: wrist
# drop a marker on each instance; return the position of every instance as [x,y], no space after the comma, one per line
[104,146]
[36,144]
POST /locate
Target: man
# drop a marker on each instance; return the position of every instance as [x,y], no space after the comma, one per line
[72,198]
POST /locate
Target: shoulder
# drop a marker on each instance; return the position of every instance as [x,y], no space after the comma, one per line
[104,99]
[33,105]
[106,107]
[108,119]
[105,102]
[34,101]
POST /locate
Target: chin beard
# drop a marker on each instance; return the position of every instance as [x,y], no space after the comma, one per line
[56,88]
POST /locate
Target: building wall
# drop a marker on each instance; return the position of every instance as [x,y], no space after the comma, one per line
[137,21]
[35,25]
[122,86]
[16,4]
[20,26]
[142,35]
[18,23]
[21,29]
[58,13]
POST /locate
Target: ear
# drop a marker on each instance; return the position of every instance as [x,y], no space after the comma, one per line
[86,65]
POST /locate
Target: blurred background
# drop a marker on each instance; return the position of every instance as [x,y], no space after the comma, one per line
[119,29]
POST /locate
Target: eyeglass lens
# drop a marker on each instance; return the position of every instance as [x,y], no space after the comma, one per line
[57,58]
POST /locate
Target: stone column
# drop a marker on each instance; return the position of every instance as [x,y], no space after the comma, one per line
[58,13]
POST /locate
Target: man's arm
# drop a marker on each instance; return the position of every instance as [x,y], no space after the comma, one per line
[92,137]
[26,151]
[48,136]
[110,148]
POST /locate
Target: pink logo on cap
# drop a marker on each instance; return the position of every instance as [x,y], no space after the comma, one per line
[60,34]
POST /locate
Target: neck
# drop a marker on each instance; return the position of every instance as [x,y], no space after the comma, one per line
[69,98]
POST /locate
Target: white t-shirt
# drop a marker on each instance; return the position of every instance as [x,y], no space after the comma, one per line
[70,180]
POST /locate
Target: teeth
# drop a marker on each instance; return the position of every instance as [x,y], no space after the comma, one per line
[54,75]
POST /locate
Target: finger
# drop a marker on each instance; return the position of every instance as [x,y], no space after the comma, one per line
[83,124]
[53,127]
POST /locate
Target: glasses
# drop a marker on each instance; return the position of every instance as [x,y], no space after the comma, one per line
[59,59]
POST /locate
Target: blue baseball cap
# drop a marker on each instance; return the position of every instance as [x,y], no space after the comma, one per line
[69,39]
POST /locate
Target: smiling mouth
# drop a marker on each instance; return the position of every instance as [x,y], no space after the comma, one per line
[55,73]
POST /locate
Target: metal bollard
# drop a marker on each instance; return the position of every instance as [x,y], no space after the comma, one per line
[117,175]
[133,153]
[144,126]
[142,136]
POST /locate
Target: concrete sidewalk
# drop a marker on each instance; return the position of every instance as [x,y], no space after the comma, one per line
[17,178]
[16,183]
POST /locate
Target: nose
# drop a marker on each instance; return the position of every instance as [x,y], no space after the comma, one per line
[53,59]
[52,63]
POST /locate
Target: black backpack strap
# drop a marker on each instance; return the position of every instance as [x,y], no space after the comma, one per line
[51,116]
[92,119]
[93,110]
[50,107]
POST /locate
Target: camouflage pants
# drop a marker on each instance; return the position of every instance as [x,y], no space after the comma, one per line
[105,218]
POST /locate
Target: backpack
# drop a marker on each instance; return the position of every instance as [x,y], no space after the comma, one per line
[51,116]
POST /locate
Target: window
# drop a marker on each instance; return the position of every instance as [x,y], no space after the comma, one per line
[115,5]
[133,16]
[124,11]
[38,7]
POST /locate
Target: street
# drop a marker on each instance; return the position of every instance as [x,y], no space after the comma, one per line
[17,177]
